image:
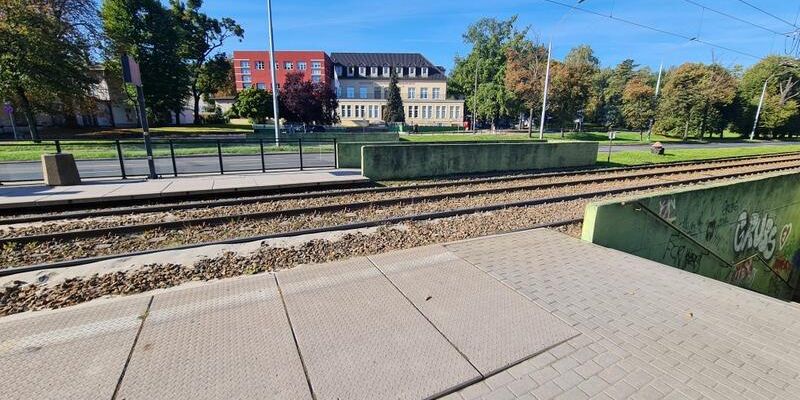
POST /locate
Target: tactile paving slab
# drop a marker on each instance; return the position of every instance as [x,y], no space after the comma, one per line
[227,340]
[78,353]
[491,324]
[361,339]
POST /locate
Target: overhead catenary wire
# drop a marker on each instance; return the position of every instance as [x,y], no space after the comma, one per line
[735,18]
[654,29]
[794,25]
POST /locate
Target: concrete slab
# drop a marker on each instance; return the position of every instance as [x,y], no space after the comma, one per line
[38,195]
[78,353]
[361,339]
[230,339]
[493,326]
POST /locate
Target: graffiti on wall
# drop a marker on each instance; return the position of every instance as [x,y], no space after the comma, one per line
[683,255]
[755,231]
[666,209]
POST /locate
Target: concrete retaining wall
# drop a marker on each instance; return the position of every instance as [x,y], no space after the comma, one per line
[741,233]
[406,161]
[349,153]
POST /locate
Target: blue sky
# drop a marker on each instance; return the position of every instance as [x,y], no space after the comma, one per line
[434,28]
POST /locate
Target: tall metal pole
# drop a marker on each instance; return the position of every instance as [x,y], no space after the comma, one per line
[272,74]
[475,98]
[658,81]
[758,110]
[544,95]
[148,145]
[658,86]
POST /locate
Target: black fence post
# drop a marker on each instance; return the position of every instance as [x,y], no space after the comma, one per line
[172,155]
[58,146]
[300,142]
[121,160]
[219,153]
[335,155]
[263,164]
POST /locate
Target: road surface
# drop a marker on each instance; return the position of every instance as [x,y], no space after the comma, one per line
[32,170]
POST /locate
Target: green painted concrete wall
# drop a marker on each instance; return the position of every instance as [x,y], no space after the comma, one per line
[407,161]
[348,154]
[741,233]
[327,136]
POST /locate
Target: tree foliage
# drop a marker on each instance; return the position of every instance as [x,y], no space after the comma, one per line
[46,57]
[254,104]
[394,113]
[527,64]
[490,40]
[779,113]
[305,102]
[202,37]
[638,104]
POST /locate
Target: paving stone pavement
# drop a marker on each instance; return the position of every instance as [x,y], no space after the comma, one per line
[647,331]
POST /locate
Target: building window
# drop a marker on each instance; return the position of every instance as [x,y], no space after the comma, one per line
[423,93]
[412,71]
[416,111]
[362,71]
[351,92]
[386,71]
[436,93]
[288,65]
[316,79]
[259,65]
[423,72]
[245,71]
[261,85]
[351,71]
[277,66]
[373,71]
[411,93]
[386,93]
[316,64]
[301,65]
[338,91]
[247,78]
[348,111]
[247,85]
[244,64]
[398,71]
[458,112]
[430,112]
[362,92]
[315,71]
[338,70]
[376,92]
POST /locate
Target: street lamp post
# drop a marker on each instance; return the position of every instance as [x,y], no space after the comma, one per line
[544,95]
[758,110]
[475,98]
[272,74]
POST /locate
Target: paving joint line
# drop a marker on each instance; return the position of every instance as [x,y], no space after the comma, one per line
[143,317]
[294,338]
[458,386]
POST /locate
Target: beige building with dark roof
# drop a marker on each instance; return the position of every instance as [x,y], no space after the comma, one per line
[361,81]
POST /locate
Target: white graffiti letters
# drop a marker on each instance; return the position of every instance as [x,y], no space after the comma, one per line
[756,232]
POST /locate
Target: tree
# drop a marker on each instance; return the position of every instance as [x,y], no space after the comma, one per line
[695,99]
[47,47]
[393,113]
[638,104]
[572,82]
[527,64]
[490,40]
[202,36]
[216,78]
[152,35]
[255,104]
[297,101]
[327,104]
[779,112]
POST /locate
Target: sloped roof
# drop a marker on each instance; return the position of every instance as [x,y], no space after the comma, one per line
[388,60]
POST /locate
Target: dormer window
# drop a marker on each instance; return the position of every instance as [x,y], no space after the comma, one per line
[338,70]
[398,71]
[351,71]
[386,71]
[373,71]
[423,72]
[412,71]
[362,71]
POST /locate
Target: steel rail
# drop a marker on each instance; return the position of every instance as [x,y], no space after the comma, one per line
[342,192]
[382,222]
[217,220]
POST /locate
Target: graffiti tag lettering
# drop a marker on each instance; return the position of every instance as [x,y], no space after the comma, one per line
[679,255]
[755,232]
[785,232]
[666,209]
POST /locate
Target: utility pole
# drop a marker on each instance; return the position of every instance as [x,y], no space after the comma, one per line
[272,74]
[544,95]
[475,98]
[658,86]
[131,74]
[758,110]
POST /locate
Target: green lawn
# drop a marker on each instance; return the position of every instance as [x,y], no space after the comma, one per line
[644,157]
[184,130]
[622,137]
[461,137]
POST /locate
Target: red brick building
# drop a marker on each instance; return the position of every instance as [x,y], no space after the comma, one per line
[252,67]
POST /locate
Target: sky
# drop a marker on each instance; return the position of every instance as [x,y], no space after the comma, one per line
[434,28]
